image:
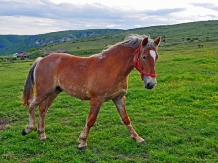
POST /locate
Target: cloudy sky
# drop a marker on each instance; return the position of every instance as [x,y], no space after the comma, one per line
[29,17]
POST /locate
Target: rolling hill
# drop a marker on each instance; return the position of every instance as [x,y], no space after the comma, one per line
[15,43]
[76,41]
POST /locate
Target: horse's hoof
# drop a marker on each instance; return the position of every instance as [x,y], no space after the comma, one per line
[82,148]
[23,132]
[143,142]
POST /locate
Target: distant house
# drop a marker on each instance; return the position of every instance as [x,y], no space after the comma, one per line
[21,54]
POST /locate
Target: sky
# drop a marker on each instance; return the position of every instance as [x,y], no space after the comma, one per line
[31,17]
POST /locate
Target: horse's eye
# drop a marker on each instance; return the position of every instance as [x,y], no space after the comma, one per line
[144,57]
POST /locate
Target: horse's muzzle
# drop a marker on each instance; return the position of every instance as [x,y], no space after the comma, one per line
[149,82]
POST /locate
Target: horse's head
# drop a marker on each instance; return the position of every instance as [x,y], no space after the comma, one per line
[145,59]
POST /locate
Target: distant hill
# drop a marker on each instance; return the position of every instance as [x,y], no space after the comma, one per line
[10,44]
[97,39]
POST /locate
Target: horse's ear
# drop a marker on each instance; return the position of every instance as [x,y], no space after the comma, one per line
[145,41]
[157,41]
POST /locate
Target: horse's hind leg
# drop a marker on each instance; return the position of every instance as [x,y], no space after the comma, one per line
[32,104]
[32,124]
[120,103]
[43,108]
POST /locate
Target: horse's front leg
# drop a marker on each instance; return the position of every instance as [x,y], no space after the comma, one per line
[95,105]
[120,103]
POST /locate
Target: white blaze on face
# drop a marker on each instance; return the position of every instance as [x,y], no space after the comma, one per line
[153,54]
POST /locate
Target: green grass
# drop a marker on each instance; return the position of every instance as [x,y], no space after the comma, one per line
[178,118]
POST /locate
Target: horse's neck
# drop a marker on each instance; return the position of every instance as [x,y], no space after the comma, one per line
[123,59]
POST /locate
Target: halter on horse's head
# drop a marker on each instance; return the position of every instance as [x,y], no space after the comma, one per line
[145,58]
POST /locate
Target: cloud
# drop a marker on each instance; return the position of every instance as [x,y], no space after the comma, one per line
[23,25]
[46,9]
[206,5]
[164,12]
[41,16]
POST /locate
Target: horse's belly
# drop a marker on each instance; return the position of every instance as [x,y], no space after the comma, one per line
[112,95]
[84,94]
[80,93]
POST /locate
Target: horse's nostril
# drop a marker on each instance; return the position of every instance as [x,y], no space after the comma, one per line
[148,85]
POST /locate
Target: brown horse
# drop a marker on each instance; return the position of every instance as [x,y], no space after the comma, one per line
[98,78]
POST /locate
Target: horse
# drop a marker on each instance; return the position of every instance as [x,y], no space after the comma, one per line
[98,78]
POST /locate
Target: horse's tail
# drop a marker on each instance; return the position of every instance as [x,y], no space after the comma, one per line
[28,91]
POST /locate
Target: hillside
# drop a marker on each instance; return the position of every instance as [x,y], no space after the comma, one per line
[76,42]
[187,33]
[10,44]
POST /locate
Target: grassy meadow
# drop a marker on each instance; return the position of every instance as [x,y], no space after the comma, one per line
[178,118]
